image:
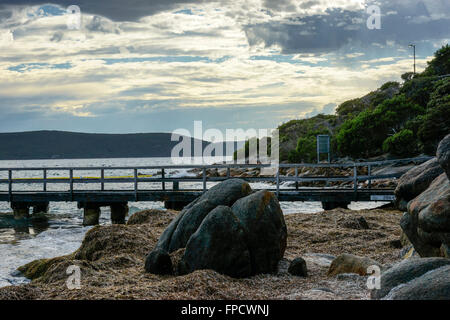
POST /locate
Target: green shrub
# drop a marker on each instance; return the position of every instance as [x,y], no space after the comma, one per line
[435,124]
[403,144]
[307,149]
[435,127]
[390,84]
[440,65]
[419,90]
[364,135]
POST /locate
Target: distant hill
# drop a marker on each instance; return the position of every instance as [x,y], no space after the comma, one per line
[71,145]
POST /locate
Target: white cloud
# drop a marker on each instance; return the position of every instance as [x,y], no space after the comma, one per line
[177,61]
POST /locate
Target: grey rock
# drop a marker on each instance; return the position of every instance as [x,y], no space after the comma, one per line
[189,223]
[406,271]
[298,268]
[219,244]
[427,222]
[225,193]
[348,277]
[261,216]
[443,155]
[417,180]
[158,262]
[349,263]
[356,223]
[433,285]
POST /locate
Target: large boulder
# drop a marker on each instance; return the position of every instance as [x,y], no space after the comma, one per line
[220,244]
[262,218]
[416,181]
[427,222]
[349,263]
[433,285]
[247,239]
[443,154]
[187,222]
[405,272]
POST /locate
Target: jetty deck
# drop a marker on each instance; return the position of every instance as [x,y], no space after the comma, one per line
[165,187]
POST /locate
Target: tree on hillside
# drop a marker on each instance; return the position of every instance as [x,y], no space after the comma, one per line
[364,135]
[440,65]
[401,144]
[435,125]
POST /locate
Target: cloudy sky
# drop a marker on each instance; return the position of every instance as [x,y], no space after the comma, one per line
[148,66]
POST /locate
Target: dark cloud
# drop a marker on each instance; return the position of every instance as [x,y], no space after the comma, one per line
[117,10]
[407,21]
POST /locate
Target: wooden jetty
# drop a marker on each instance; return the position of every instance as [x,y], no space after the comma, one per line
[167,188]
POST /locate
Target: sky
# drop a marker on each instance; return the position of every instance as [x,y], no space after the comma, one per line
[158,66]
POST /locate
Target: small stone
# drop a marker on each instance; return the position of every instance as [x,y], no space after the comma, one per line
[397,244]
[298,268]
[348,276]
[158,262]
[349,263]
[363,223]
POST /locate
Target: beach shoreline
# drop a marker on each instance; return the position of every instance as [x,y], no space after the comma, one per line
[111,260]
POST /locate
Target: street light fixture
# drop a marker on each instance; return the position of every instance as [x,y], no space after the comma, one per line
[414,47]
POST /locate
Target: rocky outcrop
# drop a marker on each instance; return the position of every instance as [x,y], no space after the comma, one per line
[427,222]
[443,154]
[349,263]
[416,181]
[228,229]
[434,285]
[406,271]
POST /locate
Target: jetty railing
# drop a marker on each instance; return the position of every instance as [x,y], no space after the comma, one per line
[202,176]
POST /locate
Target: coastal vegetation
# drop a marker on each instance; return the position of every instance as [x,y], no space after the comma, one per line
[397,120]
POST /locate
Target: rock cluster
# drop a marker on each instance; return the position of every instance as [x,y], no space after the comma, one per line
[416,181]
[427,222]
[416,279]
[229,229]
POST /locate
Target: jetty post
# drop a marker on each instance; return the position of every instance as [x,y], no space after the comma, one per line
[21,210]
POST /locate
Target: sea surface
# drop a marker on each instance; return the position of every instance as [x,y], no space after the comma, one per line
[63,232]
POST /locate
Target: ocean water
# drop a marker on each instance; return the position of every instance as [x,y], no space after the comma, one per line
[63,232]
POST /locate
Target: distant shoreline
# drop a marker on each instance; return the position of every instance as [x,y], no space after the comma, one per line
[61,145]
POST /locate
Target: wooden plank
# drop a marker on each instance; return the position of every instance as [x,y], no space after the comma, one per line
[9,185]
[136,185]
[45,180]
[278,182]
[102,186]
[71,184]
[204,177]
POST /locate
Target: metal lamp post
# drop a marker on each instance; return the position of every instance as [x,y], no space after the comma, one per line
[414,47]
